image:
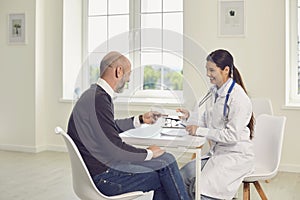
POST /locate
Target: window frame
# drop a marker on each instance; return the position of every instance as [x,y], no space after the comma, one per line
[292,98]
[136,80]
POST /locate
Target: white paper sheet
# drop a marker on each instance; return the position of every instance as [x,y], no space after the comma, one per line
[146,131]
[174,132]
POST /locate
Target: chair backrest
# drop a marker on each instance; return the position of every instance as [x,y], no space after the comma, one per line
[83,184]
[268,139]
[261,106]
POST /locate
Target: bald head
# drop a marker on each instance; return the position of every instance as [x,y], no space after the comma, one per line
[112,59]
[115,69]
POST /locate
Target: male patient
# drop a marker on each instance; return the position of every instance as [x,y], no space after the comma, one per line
[117,167]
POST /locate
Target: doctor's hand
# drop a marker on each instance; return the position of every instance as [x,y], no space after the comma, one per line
[185,113]
[157,151]
[191,129]
[151,117]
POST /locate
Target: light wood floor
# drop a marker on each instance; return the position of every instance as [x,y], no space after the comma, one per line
[47,176]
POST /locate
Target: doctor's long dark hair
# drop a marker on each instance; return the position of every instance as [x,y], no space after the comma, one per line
[223,58]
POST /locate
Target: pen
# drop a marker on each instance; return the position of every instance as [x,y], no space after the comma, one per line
[164,115]
[160,115]
[183,125]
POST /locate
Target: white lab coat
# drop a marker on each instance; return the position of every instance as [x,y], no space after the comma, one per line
[231,153]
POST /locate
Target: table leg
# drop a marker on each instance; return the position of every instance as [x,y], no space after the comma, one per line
[198,174]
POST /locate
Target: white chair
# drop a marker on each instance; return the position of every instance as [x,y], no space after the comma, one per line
[268,139]
[261,106]
[83,184]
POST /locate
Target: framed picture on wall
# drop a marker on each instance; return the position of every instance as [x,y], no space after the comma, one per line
[231,19]
[16,28]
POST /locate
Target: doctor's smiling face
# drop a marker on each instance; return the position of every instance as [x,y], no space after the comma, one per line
[216,75]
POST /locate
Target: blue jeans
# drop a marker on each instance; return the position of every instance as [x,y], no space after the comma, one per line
[188,173]
[159,174]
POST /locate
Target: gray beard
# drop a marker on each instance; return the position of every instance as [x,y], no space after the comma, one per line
[121,86]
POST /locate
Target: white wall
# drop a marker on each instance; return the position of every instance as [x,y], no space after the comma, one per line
[260,57]
[29,114]
[53,112]
[31,78]
[50,112]
[17,103]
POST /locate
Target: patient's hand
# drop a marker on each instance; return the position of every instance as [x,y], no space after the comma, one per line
[157,151]
[151,117]
[185,113]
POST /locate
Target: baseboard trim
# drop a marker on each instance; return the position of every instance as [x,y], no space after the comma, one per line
[33,149]
[63,148]
[58,148]
[21,148]
[289,168]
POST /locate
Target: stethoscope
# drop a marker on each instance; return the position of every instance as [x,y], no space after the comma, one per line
[209,94]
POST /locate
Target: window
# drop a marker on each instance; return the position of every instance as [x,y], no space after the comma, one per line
[105,19]
[298,46]
[292,52]
[148,32]
[166,70]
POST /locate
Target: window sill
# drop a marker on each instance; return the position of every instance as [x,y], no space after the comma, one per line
[140,104]
[147,100]
[294,106]
[64,100]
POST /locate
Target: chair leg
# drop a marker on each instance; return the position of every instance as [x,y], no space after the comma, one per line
[194,154]
[246,192]
[260,190]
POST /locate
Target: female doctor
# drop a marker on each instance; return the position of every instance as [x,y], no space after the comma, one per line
[227,124]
